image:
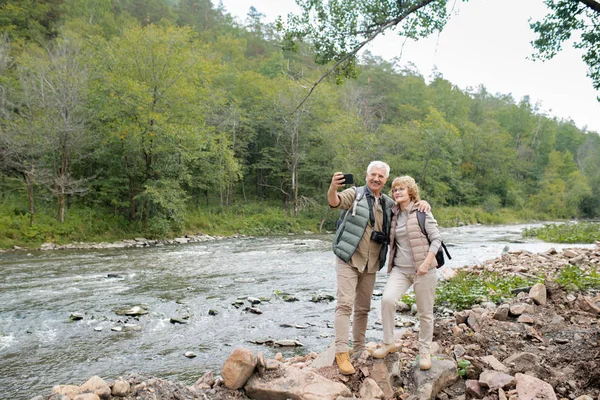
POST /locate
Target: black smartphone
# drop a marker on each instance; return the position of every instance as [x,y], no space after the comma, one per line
[348,179]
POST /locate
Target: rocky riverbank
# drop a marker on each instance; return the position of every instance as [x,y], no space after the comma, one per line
[543,343]
[124,244]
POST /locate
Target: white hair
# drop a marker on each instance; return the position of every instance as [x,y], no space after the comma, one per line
[379,164]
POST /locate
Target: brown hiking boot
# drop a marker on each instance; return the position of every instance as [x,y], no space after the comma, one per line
[344,364]
[384,350]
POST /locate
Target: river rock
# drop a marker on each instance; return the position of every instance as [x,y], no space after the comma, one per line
[287,343]
[370,390]
[120,388]
[530,388]
[474,389]
[133,311]
[501,313]
[494,363]
[98,386]
[67,390]
[588,305]
[521,362]
[293,383]
[440,376]
[88,396]
[238,368]
[538,293]
[494,380]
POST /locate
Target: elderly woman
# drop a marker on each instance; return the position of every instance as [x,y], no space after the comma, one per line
[411,261]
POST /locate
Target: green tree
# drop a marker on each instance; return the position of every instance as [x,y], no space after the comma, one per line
[567,18]
[152,96]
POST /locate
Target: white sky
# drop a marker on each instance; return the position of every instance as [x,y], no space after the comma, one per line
[485,42]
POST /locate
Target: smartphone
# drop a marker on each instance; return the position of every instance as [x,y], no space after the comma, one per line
[348,179]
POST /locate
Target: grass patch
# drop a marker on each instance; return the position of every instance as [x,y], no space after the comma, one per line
[582,232]
[468,289]
[575,279]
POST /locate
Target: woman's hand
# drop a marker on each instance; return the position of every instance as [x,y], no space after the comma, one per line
[423,268]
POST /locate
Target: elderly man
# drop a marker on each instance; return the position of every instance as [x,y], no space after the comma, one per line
[360,244]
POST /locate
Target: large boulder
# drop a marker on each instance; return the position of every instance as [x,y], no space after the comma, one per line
[238,368]
[441,375]
[293,383]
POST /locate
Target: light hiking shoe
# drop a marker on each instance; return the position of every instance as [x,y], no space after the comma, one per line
[384,350]
[425,362]
[344,364]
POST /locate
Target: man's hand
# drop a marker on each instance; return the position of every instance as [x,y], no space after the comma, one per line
[423,206]
[337,181]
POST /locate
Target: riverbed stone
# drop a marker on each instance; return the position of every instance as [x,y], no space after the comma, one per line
[530,388]
[538,293]
[293,383]
[87,396]
[67,390]
[494,380]
[120,388]
[98,386]
[441,375]
[521,362]
[370,390]
[238,368]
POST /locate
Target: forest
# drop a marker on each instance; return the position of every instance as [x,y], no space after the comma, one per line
[161,117]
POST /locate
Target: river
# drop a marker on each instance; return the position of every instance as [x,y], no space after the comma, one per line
[40,346]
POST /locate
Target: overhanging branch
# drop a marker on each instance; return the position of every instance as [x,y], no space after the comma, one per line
[384,26]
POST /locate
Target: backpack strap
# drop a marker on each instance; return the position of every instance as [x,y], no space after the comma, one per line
[421,220]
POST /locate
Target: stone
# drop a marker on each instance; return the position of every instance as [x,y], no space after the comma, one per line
[97,386]
[474,322]
[238,368]
[458,351]
[294,383]
[189,354]
[326,358]
[588,305]
[518,309]
[87,396]
[440,376]
[530,388]
[68,390]
[381,375]
[206,381]
[494,380]
[538,293]
[521,362]
[120,388]
[570,253]
[461,317]
[526,319]
[494,364]
[370,390]
[501,313]
[474,389]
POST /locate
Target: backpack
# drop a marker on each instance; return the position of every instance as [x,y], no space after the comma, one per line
[439,256]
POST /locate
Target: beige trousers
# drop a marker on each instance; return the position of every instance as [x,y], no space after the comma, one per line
[354,291]
[396,286]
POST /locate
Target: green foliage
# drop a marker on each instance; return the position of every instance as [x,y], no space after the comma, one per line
[467,289]
[566,19]
[164,117]
[575,279]
[582,232]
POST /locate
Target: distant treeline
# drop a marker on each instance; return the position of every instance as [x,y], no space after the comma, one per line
[150,109]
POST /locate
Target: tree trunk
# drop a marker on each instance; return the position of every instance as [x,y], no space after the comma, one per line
[29,184]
